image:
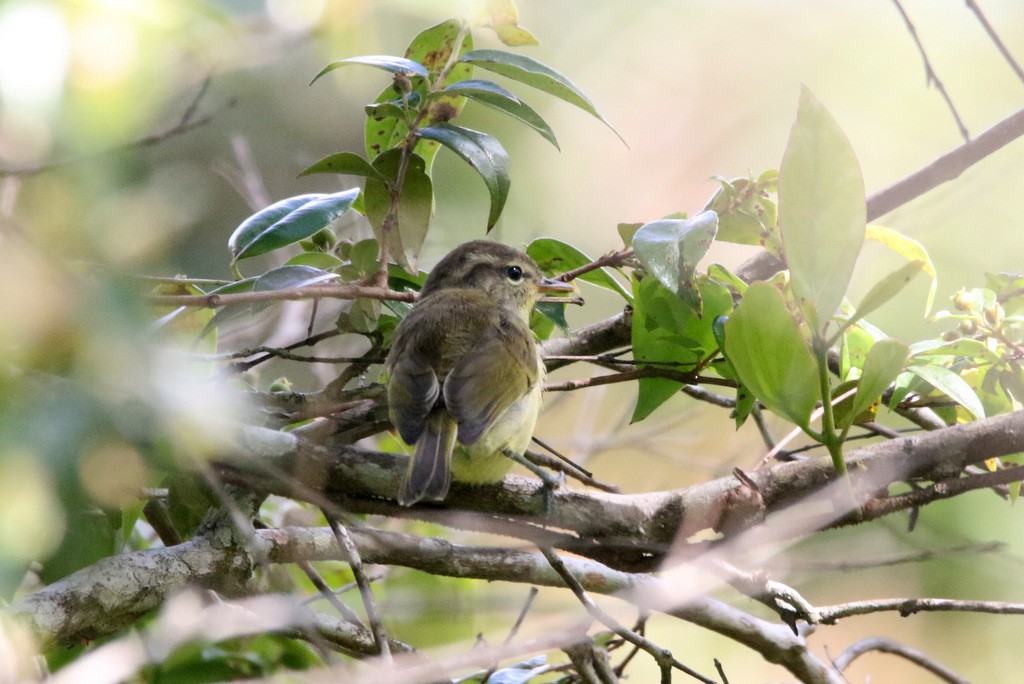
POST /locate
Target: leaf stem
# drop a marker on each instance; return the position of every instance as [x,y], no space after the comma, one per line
[828,435]
[390,222]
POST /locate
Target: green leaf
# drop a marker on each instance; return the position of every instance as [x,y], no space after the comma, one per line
[482,152]
[415,204]
[728,278]
[555,256]
[554,312]
[343,162]
[670,249]
[764,345]
[395,65]
[320,260]
[975,350]
[909,249]
[287,277]
[536,75]
[474,86]
[746,213]
[364,256]
[884,362]
[952,385]
[627,231]
[364,314]
[667,333]
[90,537]
[822,209]
[229,312]
[287,222]
[402,109]
[856,343]
[493,95]
[1009,289]
[386,129]
[887,288]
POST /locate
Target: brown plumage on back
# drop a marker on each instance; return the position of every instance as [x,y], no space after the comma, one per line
[464,366]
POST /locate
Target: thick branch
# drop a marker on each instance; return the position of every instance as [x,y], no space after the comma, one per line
[116,591]
[635,525]
[437,556]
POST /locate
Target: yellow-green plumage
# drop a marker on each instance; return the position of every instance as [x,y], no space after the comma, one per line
[464,369]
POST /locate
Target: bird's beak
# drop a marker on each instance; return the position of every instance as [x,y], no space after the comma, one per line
[552,285]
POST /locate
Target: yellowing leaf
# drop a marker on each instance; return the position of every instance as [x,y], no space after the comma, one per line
[909,249]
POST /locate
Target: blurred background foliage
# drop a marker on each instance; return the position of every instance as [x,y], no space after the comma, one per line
[91,411]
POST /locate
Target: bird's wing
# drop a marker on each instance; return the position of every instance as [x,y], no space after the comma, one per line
[497,372]
[412,391]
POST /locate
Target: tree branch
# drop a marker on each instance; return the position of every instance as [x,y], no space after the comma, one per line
[214,300]
[360,479]
[184,124]
[906,652]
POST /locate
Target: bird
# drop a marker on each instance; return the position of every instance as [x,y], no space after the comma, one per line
[464,371]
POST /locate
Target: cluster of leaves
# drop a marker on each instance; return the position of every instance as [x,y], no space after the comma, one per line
[777,338]
[406,125]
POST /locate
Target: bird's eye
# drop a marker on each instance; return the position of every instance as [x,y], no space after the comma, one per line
[514,273]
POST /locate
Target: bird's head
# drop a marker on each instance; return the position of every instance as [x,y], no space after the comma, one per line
[507,275]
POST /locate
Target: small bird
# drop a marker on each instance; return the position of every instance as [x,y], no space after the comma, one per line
[464,367]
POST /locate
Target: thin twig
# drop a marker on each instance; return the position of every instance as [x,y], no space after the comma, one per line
[613,259]
[640,628]
[890,646]
[215,300]
[828,615]
[721,671]
[918,557]
[350,551]
[328,593]
[187,122]
[973,6]
[271,352]
[929,72]
[515,629]
[628,376]
[661,656]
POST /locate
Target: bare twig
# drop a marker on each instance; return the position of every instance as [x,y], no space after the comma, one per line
[515,628]
[911,654]
[613,259]
[828,615]
[326,591]
[628,376]
[929,72]
[214,300]
[973,6]
[246,179]
[187,122]
[661,655]
[355,562]
[918,557]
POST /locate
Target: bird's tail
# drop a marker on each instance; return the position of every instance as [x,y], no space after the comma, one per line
[429,472]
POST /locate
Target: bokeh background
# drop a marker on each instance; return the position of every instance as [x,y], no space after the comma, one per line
[696,89]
